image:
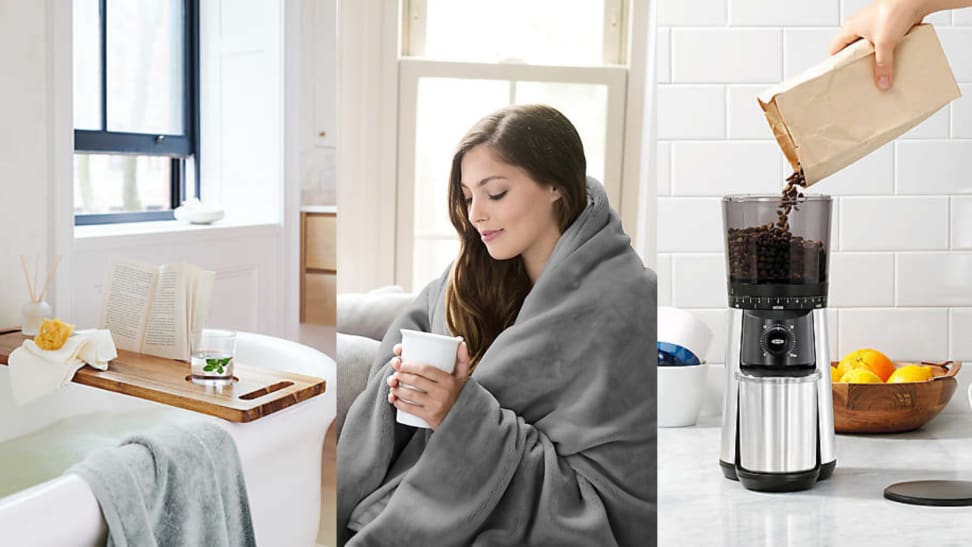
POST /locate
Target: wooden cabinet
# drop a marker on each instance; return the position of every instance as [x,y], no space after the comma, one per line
[318,268]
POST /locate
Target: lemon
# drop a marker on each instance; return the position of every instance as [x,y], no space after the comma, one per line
[911,373]
[860,376]
[834,375]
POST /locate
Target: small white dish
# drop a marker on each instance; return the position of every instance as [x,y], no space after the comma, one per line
[194,212]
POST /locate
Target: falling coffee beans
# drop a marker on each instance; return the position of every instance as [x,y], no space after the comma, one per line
[769,253]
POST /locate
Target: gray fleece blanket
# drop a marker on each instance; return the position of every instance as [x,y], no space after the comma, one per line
[172,485]
[551,441]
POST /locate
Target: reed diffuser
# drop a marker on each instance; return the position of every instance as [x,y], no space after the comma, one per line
[35,311]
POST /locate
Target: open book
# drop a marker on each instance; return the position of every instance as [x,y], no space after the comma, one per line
[154,309]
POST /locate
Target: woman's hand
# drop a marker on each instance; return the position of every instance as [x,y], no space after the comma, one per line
[883,23]
[435,391]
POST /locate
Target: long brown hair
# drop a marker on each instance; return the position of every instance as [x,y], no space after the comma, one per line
[485,295]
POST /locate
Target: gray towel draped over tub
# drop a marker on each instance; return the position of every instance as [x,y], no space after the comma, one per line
[175,484]
[551,441]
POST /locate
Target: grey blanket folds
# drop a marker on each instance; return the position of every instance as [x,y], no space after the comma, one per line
[552,440]
[175,485]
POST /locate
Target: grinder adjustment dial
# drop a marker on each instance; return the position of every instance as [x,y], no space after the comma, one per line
[777,340]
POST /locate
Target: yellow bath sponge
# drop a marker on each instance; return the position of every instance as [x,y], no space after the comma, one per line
[53,333]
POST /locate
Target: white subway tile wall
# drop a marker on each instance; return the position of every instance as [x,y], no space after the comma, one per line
[961,111]
[699,281]
[746,122]
[664,272]
[961,217]
[805,47]
[716,168]
[726,55]
[789,13]
[692,112]
[901,275]
[664,167]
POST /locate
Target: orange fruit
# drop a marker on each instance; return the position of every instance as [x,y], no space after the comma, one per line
[860,375]
[871,359]
[911,373]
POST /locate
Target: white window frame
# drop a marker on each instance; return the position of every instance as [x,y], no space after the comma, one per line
[615,12]
[370,46]
[411,71]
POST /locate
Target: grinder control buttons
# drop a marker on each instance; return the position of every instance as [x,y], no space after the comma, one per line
[777,340]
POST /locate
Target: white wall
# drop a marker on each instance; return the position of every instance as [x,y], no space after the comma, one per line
[318,100]
[25,158]
[250,115]
[901,276]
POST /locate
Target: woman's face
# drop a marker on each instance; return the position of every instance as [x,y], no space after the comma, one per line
[513,213]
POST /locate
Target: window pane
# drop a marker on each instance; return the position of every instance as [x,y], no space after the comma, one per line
[432,257]
[106,183]
[87,65]
[585,105]
[561,32]
[447,108]
[145,66]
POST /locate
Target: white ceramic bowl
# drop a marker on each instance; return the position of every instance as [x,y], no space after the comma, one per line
[680,391]
[198,216]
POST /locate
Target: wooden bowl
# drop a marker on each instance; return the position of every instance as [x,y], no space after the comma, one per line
[893,408]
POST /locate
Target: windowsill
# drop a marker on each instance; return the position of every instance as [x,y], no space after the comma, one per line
[97,235]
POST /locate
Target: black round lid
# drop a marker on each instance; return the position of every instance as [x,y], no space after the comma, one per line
[938,493]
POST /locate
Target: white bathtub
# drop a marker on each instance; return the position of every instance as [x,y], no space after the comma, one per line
[280,454]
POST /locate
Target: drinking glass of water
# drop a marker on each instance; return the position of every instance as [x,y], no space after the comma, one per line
[212,356]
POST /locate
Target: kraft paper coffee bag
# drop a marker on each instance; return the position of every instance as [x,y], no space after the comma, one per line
[833,114]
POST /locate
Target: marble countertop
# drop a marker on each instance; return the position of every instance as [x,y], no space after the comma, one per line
[698,506]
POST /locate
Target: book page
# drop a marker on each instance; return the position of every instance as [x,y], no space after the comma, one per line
[200,294]
[166,326]
[127,295]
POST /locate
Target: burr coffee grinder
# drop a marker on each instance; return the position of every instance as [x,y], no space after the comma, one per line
[778,415]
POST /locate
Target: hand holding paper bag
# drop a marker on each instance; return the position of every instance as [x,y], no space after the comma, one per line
[832,115]
[884,23]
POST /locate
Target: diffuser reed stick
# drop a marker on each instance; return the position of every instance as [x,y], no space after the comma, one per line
[30,289]
[50,274]
[37,297]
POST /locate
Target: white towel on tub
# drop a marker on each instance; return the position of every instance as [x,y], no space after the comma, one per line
[35,372]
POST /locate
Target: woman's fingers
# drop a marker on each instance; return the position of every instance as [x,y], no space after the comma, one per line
[411,397]
[397,350]
[844,38]
[429,372]
[883,64]
[414,381]
[462,361]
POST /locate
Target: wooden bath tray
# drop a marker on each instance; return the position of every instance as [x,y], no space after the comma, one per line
[257,392]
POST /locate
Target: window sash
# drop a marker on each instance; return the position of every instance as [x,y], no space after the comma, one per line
[614,78]
[415,14]
[179,147]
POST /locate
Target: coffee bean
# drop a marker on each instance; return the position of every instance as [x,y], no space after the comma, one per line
[769,253]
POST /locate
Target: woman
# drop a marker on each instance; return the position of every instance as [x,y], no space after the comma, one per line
[545,432]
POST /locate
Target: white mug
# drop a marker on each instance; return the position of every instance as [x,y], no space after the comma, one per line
[970,394]
[432,349]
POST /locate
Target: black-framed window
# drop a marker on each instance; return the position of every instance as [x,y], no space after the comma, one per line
[136,114]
